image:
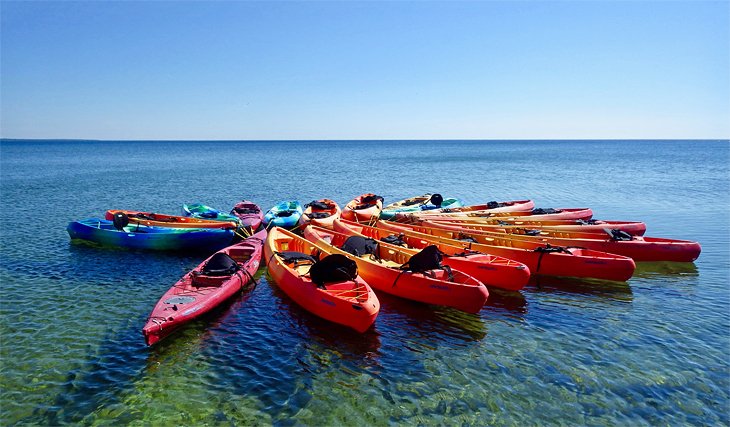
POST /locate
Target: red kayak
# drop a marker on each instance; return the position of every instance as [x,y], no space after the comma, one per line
[592,225]
[363,208]
[322,212]
[538,214]
[215,280]
[640,248]
[493,271]
[250,215]
[391,269]
[540,258]
[325,284]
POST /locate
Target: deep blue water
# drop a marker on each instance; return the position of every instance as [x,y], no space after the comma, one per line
[654,350]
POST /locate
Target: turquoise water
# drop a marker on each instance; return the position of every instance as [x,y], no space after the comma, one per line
[654,350]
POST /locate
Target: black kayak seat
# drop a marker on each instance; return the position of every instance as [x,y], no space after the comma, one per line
[220,264]
[333,268]
[296,258]
[359,246]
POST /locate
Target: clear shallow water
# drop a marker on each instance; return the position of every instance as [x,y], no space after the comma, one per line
[654,350]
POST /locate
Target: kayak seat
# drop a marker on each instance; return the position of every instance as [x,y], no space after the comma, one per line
[428,259]
[219,268]
[244,211]
[425,262]
[368,201]
[319,205]
[494,205]
[466,238]
[411,202]
[359,246]
[437,199]
[333,269]
[544,211]
[619,235]
[318,215]
[220,264]
[394,240]
[296,258]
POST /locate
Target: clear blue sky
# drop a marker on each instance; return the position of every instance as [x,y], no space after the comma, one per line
[360,70]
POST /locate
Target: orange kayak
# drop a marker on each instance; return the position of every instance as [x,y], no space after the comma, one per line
[538,214]
[172,221]
[493,271]
[309,276]
[540,258]
[320,212]
[592,225]
[640,248]
[363,208]
[384,269]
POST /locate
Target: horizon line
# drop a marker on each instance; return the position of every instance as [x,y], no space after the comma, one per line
[363,139]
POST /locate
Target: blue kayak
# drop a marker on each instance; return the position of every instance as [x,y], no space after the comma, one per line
[284,214]
[136,236]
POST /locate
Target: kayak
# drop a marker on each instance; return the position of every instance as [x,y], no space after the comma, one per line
[538,214]
[390,269]
[249,215]
[322,212]
[540,258]
[419,203]
[640,248]
[490,207]
[493,271]
[174,221]
[325,284]
[208,285]
[365,207]
[137,236]
[592,225]
[284,214]
[197,210]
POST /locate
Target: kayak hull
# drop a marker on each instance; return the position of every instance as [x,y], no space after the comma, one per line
[315,215]
[173,221]
[284,214]
[635,228]
[360,210]
[352,304]
[417,204]
[639,248]
[558,214]
[248,214]
[103,232]
[195,295]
